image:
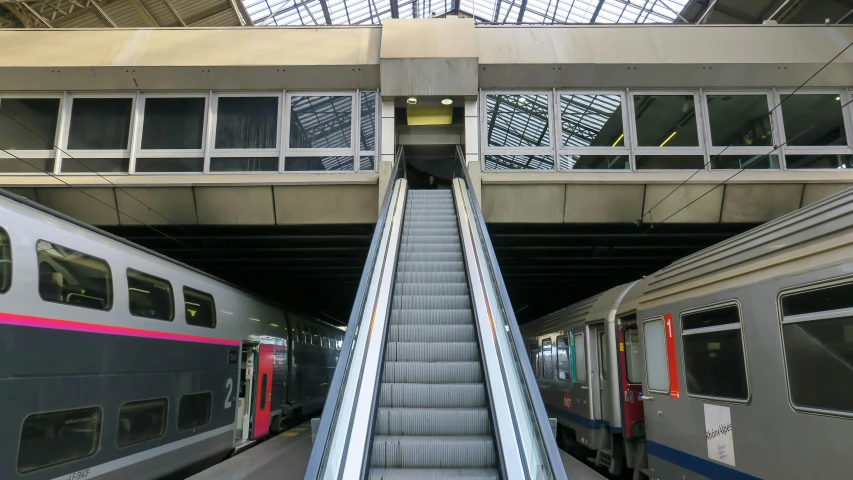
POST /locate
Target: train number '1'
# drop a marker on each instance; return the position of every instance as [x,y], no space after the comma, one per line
[229,384]
[78,475]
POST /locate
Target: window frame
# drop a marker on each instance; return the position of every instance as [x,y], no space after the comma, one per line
[210,144]
[38,154]
[814,316]
[65,129]
[714,151]
[844,97]
[212,306]
[112,291]
[625,149]
[209,415]
[486,150]
[355,126]
[377,127]
[44,467]
[167,282]
[718,328]
[164,429]
[642,340]
[138,152]
[698,150]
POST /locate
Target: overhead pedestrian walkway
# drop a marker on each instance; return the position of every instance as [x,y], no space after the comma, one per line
[433,381]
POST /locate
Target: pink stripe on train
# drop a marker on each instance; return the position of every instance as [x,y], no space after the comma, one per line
[38,322]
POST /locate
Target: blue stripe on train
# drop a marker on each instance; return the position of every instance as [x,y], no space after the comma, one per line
[581,420]
[699,465]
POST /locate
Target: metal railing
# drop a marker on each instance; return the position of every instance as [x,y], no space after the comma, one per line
[520,418]
[340,446]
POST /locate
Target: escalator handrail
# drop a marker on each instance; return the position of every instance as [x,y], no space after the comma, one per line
[550,444]
[330,405]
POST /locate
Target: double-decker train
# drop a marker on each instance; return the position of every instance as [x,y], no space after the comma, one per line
[734,362]
[118,363]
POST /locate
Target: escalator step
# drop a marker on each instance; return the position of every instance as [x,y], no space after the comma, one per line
[422,289]
[433,473]
[430,239]
[433,451]
[426,395]
[432,317]
[417,351]
[425,372]
[432,277]
[430,302]
[430,247]
[431,334]
[404,266]
[431,257]
[432,421]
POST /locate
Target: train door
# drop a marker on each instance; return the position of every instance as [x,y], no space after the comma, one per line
[263,390]
[631,363]
[580,392]
[602,404]
[248,360]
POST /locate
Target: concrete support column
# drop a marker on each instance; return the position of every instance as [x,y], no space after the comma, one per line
[472,145]
[388,147]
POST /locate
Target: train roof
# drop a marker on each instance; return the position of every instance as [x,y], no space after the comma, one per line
[589,309]
[61,216]
[812,237]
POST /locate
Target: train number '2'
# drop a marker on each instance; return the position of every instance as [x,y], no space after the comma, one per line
[229,384]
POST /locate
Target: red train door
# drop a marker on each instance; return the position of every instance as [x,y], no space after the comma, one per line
[264,391]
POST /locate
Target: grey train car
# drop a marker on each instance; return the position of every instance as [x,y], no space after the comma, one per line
[117,363]
[739,358]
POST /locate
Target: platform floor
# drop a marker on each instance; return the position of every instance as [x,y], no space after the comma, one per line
[285,457]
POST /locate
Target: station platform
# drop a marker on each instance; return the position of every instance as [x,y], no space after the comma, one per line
[285,457]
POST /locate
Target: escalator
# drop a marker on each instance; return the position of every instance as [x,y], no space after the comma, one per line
[433,380]
[433,412]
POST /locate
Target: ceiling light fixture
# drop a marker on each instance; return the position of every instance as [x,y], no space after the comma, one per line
[447,101]
[618,140]
[412,101]
[668,139]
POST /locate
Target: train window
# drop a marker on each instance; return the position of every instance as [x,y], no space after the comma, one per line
[149,296]
[714,361]
[339,342]
[580,358]
[5,262]
[194,410]
[264,392]
[72,277]
[48,439]
[563,365]
[654,338]
[141,421]
[534,355]
[602,355]
[315,336]
[324,339]
[547,359]
[632,355]
[199,308]
[817,336]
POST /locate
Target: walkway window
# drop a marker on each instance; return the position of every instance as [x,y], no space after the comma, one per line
[740,129]
[517,131]
[714,359]
[246,133]
[49,439]
[814,130]
[72,277]
[98,134]
[817,337]
[592,132]
[320,131]
[28,131]
[666,125]
[172,134]
[367,114]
